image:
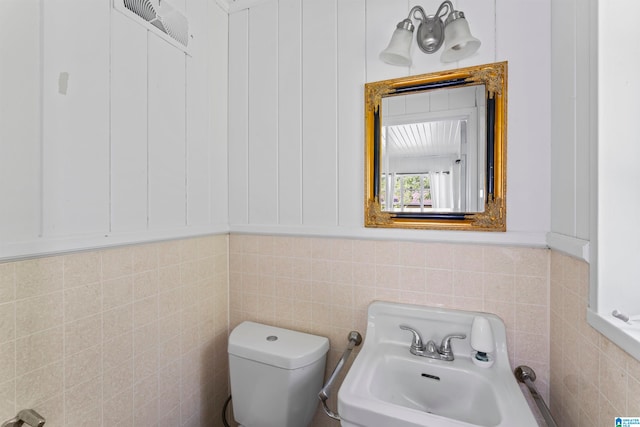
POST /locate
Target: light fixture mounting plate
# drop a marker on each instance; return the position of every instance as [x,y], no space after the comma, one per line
[430,35]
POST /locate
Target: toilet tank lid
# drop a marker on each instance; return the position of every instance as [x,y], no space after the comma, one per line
[274,346]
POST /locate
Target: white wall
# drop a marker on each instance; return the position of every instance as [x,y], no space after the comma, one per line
[593,156]
[616,249]
[20,115]
[573,124]
[109,134]
[134,148]
[296,115]
[618,237]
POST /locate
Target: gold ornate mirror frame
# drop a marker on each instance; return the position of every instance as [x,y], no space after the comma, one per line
[493,217]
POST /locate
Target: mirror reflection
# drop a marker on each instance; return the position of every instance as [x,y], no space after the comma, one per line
[435,150]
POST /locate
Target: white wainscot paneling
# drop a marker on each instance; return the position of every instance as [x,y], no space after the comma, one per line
[345,38]
[129,120]
[586,114]
[20,168]
[352,75]
[238,113]
[76,119]
[218,123]
[289,114]
[528,130]
[263,114]
[111,152]
[573,118]
[167,195]
[563,125]
[319,115]
[199,141]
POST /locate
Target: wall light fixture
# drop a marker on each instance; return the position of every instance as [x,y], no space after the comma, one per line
[432,32]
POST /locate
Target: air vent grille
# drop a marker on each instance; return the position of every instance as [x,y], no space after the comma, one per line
[143,8]
[174,23]
[162,16]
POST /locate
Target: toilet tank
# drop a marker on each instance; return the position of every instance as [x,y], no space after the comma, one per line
[276,375]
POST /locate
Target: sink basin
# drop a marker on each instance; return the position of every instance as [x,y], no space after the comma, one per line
[389,386]
[458,393]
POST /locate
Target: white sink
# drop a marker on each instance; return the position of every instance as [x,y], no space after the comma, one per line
[389,386]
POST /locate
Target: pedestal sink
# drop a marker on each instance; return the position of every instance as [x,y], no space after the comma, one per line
[389,386]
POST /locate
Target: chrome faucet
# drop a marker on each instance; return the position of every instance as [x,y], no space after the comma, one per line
[430,350]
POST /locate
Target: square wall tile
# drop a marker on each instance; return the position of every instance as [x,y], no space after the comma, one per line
[324,286]
[89,335]
[592,379]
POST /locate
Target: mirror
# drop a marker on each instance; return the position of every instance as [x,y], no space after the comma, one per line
[435,150]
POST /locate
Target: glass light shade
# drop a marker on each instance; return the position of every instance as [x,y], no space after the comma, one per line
[398,51]
[458,41]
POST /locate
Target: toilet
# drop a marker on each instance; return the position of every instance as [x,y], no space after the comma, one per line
[276,375]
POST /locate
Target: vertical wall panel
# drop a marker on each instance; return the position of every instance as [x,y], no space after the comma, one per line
[263,113]
[82,100]
[238,117]
[351,72]
[128,124]
[20,145]
[563,126]
[198,141]
[319,83]
[529,133]
[166,134]
[586,112]
[76,122]
[218,114]
[290,113]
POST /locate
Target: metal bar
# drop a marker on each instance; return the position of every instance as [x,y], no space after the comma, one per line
[354,339]
[28,417]
[527,376]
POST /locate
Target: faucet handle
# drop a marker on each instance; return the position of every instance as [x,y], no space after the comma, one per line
[445,346]
[416,343]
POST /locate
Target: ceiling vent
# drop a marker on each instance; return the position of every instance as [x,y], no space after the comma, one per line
[158,16]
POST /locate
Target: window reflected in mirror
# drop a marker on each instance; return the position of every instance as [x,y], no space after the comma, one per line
[432,151]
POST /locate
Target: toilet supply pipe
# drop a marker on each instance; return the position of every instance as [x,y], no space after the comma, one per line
[224,412]
[355,339]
